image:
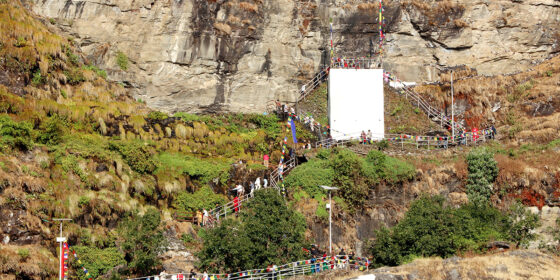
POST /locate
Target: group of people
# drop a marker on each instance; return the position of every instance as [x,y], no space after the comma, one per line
[366,138]
[239,191]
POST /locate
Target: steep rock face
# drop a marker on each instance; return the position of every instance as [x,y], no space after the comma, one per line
[231,55]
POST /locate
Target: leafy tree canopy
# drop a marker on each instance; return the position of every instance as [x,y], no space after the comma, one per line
[267,232]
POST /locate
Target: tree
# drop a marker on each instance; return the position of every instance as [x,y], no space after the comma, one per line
[522,223]
[142,241]
[430,228]
[267,232]
[483,170]
[348,177]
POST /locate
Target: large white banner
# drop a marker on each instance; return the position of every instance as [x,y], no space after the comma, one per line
[356,103]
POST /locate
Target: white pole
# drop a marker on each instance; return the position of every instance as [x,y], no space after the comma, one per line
[452,110]
[330,224]
[61,239]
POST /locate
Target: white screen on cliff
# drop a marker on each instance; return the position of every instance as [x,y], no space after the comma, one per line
[356,103]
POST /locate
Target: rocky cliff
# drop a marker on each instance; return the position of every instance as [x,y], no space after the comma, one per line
[233,55]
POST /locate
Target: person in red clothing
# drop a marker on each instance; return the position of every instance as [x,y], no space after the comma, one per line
[475,134]
[236,204]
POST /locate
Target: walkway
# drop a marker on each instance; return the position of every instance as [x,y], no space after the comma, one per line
[304,267]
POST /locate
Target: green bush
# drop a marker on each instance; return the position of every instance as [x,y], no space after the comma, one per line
[142,240]
[483,170]
[186,117]
[522,224]
[310,176]
[99,72]
[138,155]
[348,176]
[83,201]
[23,254]
[431,229]
[375,163]
[269,123]
[122,61]
[16,135]
[70,163]
[53,130]
[204,198]
[97,261]
[74,76]
[268,232]
[157,116]
[199,170]
[37,79]
[397,171]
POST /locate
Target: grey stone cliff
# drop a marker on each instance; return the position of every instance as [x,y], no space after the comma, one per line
[236,55]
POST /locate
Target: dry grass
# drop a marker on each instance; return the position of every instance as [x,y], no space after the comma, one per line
[509,169]
[368,7]
[224,28]
[249,7]
[508,265]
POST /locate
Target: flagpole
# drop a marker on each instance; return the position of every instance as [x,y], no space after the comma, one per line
[61,239]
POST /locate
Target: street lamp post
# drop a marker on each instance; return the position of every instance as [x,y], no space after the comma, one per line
[61,239]
[452,111]
[330,215]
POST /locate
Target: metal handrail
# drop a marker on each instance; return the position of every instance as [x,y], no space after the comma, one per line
[304,267]
[313,83]
[229,208]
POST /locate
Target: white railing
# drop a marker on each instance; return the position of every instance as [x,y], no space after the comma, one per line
[432,112]
[299,268]
[313,84]
[430,142]
[355,63]
[229,208]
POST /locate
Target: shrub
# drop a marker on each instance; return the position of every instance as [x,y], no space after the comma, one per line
[186,117]
[52,130]
[398,171]
[347,167]
[522,224]
[199,170]
[142,241]
[122,61]
[101,73]
[431,229]
[138,155]
[98,261]
[269,123]
[83,201]
[74,76]
[382,145]
[310,176]
[267,232]
[23,254]
[375,163]
[37,79]
[483,170]
[16,135]
[157,116]
[204,198]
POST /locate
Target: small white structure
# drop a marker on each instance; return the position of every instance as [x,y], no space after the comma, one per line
[356,103]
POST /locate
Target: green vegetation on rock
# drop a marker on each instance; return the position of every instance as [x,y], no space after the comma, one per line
[430,228]
[267,232]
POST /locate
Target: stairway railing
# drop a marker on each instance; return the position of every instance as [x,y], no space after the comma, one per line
[313,83]
[223,211]
[304,267]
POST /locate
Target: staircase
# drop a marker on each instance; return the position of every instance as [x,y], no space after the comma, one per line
[313,83]
[223,211]
[433,113]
